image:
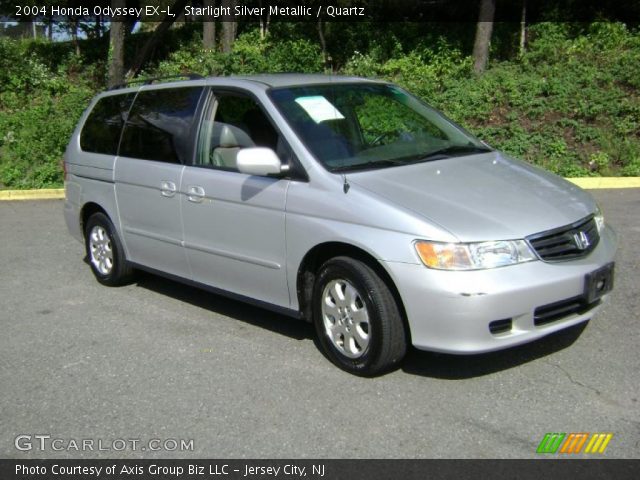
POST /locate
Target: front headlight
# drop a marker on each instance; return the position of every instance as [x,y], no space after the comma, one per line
[599,218]
[473,256]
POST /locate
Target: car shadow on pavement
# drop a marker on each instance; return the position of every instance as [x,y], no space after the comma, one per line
[427,364]
[459,367]
[259,317]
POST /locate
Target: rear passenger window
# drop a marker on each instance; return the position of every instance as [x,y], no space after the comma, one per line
[101,131]
[159,125]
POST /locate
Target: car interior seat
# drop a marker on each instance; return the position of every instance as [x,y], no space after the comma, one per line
[227,142]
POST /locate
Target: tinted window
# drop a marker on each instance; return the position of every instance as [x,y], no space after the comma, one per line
[234,122]
[159,125]
[101,131]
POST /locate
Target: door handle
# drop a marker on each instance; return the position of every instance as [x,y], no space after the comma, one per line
[167,189]
[195,194]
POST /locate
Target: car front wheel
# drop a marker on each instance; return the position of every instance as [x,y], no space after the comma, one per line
[356,318]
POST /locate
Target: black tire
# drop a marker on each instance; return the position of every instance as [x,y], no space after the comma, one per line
[386,342]
[120,272]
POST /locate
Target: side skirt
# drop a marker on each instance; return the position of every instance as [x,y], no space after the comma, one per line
[289,312]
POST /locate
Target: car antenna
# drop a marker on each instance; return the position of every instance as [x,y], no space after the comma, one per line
[345,185]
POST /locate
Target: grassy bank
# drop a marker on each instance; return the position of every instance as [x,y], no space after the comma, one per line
[570,104]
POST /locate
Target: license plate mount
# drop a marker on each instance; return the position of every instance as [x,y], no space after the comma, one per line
[598,283]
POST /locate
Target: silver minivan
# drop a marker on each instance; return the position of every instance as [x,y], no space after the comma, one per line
[342,201]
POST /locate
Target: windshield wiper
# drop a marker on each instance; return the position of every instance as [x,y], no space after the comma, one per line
[369,164]
[453,150]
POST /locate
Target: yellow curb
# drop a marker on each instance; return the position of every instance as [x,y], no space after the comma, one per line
[589,183]
[606,182]
[42,194]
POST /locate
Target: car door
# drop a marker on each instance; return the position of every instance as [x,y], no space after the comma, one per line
[156,142]
[234,224]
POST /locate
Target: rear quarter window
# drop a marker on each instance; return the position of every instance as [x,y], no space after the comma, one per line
[101,131]
[159,125]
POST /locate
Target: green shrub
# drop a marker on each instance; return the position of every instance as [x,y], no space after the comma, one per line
[250,55]
[570,104]
[20,71]
[38,111]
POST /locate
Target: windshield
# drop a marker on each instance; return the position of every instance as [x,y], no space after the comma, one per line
[362,126]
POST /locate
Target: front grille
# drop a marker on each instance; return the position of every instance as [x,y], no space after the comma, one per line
[557,310]
[566,243]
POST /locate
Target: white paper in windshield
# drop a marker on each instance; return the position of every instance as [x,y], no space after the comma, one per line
[319,108]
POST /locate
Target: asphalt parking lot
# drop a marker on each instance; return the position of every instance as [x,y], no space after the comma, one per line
[158,360]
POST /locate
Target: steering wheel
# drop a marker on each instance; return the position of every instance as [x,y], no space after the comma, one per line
[382,136]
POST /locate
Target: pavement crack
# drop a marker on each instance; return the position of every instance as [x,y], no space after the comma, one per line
[573,380]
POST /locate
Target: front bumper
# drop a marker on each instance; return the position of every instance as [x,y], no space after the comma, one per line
[450,311]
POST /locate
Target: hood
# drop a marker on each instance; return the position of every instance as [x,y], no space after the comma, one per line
[479,197]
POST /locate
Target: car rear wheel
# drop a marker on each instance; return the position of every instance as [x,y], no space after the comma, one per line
[105,252]
[356,318]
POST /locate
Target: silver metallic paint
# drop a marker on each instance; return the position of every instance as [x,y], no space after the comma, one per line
[248,234]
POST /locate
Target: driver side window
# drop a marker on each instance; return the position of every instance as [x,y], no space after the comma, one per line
[232,122]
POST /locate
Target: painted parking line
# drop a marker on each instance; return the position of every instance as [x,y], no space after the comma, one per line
[41,194]
[592,183]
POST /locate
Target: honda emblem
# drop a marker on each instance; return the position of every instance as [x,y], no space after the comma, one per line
[581,240]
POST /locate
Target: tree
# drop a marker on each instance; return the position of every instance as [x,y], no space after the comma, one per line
[323,42]
[29,27]
[523,28]
[92,29]
[264,22]
[229,27]
[483,35]
[143,54]
[209,29]
[116,47]
[49,23]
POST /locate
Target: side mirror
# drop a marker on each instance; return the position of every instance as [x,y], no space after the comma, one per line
[259,161]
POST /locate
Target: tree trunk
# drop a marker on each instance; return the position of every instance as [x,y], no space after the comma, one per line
[323,42]
[483,35]
[264,23]
[209,29]
[523,28]
[98,26]
[50,28]
[75,22]
[229,28]
[143,54]
[116,47]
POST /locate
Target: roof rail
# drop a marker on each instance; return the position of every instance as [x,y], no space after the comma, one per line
[150,81]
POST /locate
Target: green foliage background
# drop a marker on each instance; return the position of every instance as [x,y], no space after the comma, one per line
[570,104]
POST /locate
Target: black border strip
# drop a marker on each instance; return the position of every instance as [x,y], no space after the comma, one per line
[326,469]
[353,10]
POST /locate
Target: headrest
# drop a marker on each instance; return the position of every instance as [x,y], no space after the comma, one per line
[227,138]
[230,136]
